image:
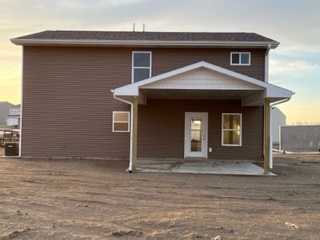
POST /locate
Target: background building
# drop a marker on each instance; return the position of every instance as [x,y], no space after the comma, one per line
[13,119]
[4,110]
[278,119]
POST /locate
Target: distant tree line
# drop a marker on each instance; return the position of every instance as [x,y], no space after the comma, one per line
[304,123]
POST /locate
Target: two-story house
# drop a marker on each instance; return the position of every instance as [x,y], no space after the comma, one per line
[159,95]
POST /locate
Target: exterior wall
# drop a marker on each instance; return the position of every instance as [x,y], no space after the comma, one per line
[164,60]
[300,138]
[161,129]
[67,102]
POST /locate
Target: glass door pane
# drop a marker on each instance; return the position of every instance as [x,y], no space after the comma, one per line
[196,134]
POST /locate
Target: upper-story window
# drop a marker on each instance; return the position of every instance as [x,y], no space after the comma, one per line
[240,58]
[141,66]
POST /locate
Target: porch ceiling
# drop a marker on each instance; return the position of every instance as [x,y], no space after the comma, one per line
[197,94]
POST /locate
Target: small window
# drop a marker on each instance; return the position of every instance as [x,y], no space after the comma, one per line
[121,122]
[240,58]
[231,129]
[141,66]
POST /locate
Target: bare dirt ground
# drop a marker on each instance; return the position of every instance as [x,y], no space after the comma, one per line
[85,199]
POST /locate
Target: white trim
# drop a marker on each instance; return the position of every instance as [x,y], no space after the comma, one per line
[21,105]
[113,121]
[204,152]
[133,67]
[131,127]
[222,130]
[125,43]
[240,64]
[272,91]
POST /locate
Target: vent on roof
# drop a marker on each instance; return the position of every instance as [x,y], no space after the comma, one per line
[134,27]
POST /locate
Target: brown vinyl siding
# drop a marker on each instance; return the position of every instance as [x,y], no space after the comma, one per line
[165,60]
[68,104]
[161,129]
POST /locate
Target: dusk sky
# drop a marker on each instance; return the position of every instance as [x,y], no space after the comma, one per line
[294,65]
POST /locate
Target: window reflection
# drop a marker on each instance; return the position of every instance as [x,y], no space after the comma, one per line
[196,132]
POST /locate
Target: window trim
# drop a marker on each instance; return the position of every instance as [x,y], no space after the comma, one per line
[113,121]
[222,130]
[133,67]
[240,64]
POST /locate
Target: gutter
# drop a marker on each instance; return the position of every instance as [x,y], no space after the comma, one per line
[129,169]
[281,101]
[271,149]
[89,42]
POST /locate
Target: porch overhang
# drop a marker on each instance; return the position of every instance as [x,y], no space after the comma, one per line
[203,80]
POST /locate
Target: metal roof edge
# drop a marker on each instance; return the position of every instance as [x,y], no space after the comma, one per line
[72,42]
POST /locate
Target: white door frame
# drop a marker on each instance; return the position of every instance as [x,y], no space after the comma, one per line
[204,135]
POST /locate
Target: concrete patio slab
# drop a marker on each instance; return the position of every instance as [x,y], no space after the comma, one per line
[201,167]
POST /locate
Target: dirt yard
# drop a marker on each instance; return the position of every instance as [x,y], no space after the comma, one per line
[85,199]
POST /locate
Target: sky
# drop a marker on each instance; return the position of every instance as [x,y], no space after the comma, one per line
[294,65]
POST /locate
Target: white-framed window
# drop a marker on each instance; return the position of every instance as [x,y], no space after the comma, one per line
[231,129]
[141,66]
[121,121]
[240,58]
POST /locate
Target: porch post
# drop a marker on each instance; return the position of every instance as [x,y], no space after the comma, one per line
[266,135]
[134,132]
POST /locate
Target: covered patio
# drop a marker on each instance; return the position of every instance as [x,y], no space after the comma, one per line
[246,168]
[201,81]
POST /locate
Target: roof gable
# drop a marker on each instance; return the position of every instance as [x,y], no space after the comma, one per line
[202,78]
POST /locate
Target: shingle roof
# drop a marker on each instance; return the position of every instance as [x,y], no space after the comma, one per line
[217,37]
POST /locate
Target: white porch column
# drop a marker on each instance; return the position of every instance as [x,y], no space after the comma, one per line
[134,132]
[267,146]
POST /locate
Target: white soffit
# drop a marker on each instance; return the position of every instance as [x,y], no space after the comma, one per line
[202,79]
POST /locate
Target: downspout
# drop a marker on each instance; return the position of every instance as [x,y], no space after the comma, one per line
[21,105]
[272,105]
[129,169]
[266,64]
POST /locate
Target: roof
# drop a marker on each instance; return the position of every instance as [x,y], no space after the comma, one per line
[146,38]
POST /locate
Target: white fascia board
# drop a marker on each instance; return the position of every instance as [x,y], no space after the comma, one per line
[73,42]
[276,92]
[127,90]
